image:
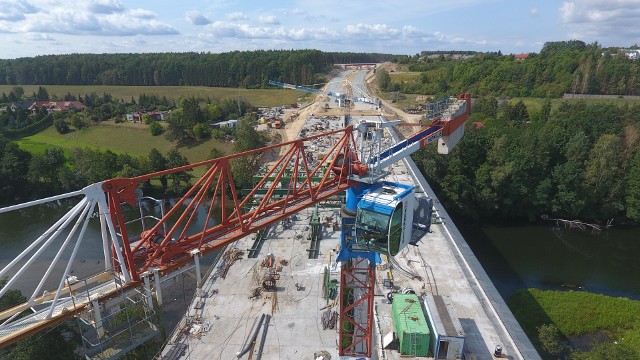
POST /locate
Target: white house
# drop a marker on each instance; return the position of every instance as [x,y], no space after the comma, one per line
[227,124]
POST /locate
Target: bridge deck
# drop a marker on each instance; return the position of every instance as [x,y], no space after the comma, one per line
[63,308]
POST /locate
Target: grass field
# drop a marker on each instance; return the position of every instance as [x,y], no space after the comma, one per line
[129,138]
[404,76]
[582,317]
[257,97]
[535,104]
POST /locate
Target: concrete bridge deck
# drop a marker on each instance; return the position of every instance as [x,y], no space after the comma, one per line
[225,314]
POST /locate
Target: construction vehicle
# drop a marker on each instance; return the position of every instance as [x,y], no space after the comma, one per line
[295,87]
[377,218]
[276,124]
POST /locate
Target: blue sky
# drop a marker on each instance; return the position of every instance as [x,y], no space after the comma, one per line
[41,27]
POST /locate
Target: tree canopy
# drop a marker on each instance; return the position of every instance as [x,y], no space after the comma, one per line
[579,161]
[560,67]
[249,69]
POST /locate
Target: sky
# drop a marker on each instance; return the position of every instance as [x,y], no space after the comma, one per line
[42,27]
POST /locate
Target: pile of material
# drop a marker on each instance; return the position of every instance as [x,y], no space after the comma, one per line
[329,319]
[229,257]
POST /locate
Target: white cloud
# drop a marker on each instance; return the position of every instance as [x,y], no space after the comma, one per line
[602,20]
[142,14]
[381,31]
[12,10]
[98,17]
[297,11]
[39,37]
[374,35]
[412,32]
[236,16]
[270,19]
[534,11]
[221,29]
[133,42]
[104,6]
[196,18]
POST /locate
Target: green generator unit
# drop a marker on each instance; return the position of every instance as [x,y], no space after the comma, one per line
[411,326]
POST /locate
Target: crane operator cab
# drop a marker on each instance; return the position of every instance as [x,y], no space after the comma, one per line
[384,218]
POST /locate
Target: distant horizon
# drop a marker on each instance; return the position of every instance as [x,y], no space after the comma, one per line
[326,51]
[54,27]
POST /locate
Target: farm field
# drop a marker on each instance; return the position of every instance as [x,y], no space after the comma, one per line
[595,324]
[257,97]
[535,104]
[130,138]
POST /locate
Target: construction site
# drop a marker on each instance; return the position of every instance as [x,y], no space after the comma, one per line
[341,250]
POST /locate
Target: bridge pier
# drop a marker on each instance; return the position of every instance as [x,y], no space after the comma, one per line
[97,317]
[147,289]
[196,258]
[156,280]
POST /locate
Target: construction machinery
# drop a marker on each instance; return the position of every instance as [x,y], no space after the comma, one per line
[295,87]
[377,218]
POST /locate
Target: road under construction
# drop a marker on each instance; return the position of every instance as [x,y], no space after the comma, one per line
[277,290]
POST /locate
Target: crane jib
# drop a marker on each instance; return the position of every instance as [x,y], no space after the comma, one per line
[424,137]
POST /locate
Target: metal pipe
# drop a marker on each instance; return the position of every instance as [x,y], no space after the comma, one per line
[55,228]
[264,336]
[41,201]
[106,249]
[253,338]
[88,210]
[156,280]
[39,251]
[114,238]
[56,258]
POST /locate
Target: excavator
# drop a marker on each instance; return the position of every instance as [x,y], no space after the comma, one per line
[377,218]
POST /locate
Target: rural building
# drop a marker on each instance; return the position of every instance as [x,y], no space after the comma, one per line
[158,115]
[14,106]
[521,56]
[223,124]
[55,106]
[447,335]
[138,116]
[632,54]
[135,116]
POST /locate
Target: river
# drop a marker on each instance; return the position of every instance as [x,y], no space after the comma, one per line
[546,256]
[515,256]
[18,229]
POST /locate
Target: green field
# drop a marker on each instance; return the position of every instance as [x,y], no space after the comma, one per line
[400,77]
[599,324]
[535,104]
[133,139]
[257,97]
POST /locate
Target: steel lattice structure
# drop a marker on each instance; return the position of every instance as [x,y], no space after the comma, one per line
[130,260]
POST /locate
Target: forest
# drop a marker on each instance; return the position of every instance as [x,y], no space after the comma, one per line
[560,67]
[247,69]
[577,161]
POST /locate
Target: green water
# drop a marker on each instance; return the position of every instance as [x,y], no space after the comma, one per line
[550,257]
[540,256]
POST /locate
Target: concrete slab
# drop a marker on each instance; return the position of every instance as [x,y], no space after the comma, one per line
[223,317]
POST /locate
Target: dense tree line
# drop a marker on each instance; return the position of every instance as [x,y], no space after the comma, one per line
[580,160]
[25,176]
[191,121]
[560,67]
[98,108]
[249,69]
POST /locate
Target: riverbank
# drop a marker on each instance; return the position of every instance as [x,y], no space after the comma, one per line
[544,256]
[589,326]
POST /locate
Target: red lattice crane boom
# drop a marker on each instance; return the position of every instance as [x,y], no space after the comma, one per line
[174,238]
[216,188]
